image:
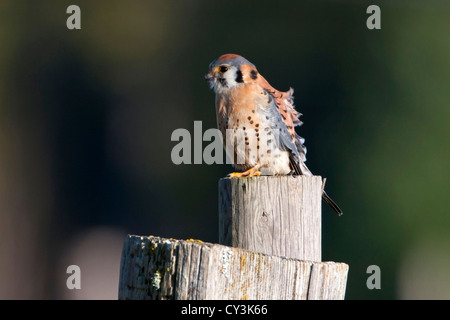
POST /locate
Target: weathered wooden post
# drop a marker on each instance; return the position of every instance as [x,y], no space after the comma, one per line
[270,248]
[276,215]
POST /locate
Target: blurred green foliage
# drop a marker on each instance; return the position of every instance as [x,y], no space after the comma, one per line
[86,119]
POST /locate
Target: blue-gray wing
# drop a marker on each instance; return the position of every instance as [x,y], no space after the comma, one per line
[284,137]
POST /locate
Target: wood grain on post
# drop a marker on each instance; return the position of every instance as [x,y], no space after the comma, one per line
[157,268]
[275,215]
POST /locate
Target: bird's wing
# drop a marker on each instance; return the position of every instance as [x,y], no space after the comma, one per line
[282,134]
[284,102]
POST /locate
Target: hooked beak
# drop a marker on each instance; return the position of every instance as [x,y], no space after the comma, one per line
[209,76]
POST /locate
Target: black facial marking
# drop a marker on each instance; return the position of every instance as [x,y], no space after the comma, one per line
[239,76]
[223,82]
[254,74]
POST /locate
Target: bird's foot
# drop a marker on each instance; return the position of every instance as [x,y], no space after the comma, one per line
[249,173]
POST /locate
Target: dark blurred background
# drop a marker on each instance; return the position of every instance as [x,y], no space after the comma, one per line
[86,118]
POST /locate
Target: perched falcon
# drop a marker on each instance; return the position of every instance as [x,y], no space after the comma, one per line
[257,122]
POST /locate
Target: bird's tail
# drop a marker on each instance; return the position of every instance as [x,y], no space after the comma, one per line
[331,203]
[305,171]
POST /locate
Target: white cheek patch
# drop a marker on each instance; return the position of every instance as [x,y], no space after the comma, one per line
[226,82]
[230,78]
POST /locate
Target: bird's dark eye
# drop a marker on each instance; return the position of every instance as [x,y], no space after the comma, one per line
[223,69]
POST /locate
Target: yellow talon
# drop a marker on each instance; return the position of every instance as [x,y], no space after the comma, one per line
[235,175]
[255,174]
[249,173]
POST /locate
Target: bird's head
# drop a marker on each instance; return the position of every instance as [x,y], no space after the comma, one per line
[229,71]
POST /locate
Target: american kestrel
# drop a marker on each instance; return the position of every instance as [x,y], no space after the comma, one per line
[257,122]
